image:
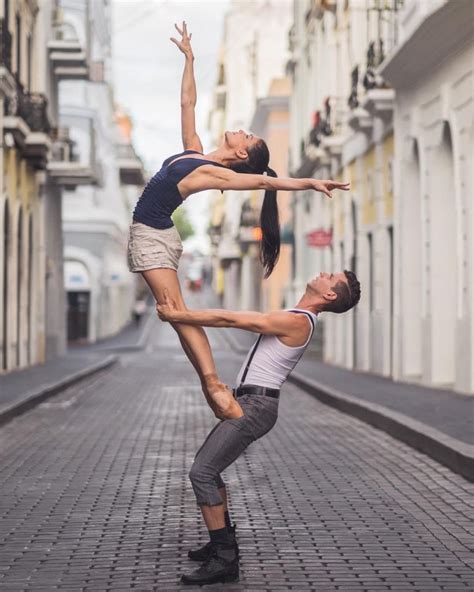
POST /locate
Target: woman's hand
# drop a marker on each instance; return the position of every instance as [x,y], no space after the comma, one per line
[327,186]
[185,43]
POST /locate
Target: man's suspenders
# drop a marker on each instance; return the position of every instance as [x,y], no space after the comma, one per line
[250,358]
[309,317]
[244,374]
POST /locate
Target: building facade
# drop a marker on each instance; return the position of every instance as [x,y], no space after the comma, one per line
[250,59]
[434,214]
[96,212]
[50,48]
[354,115]
[32,322]
[271,121]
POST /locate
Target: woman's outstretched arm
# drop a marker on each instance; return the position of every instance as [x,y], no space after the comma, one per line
[211,177]
[189,136]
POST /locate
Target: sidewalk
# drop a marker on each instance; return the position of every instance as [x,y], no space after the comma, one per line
[437,422]
[20,390]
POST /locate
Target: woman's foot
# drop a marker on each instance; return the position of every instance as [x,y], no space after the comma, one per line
[220,398]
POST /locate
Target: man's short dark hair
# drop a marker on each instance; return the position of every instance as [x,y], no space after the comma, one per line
[348,294]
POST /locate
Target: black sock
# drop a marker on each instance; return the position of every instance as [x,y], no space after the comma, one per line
[220,535]
[228,523]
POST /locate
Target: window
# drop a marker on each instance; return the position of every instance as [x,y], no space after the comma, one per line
[29,58]
[18,46]
[371,270]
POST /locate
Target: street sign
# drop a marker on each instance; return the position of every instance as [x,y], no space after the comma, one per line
[319,238]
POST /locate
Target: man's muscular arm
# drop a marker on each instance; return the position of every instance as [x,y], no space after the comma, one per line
[279,323]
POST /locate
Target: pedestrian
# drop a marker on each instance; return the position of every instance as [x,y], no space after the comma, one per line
[139,309]
[154,247]
[283,338]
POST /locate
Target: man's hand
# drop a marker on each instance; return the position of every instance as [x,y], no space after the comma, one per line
[185,43]
[168,310]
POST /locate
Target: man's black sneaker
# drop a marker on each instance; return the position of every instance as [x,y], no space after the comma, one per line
[203,553]
[221,565]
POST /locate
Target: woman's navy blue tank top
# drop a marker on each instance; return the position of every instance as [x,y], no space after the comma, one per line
[161,197]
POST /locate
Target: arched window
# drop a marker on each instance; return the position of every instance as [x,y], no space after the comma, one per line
[410,272]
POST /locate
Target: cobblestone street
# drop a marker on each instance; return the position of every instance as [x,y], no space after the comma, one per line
[95,492]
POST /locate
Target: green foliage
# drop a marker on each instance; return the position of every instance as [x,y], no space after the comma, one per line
[182,223]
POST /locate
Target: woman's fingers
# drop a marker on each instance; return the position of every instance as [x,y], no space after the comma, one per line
[343,186]
[338,185]
[183,31]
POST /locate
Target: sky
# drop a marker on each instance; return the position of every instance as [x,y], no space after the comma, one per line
[147,72]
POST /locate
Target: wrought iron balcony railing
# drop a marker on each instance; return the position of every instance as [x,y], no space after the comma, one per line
[5,45]
[31,107]
[375,56]
[353,100]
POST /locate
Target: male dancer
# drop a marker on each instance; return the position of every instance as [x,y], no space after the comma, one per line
[284,336]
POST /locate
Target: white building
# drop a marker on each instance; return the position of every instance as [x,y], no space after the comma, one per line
[354,64]
[432,72]
[96,213]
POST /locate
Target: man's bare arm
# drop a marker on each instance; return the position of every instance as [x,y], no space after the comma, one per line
[281,323]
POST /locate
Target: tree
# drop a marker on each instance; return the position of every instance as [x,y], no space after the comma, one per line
[182,223]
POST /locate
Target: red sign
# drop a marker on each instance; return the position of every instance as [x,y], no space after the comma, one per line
[319,238]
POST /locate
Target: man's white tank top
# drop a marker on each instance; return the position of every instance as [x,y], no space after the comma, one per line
[269,362]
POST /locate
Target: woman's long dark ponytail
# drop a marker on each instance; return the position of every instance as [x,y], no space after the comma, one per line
[257,163]
[270,225]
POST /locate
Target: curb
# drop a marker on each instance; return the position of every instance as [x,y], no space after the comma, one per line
[141,343]
[458,456]
[35,397]
[450,452]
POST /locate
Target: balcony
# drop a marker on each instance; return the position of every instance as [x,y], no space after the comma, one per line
[5,45]
[64,168]
[370,97]
[360,120]
[67,55]
[7,81]
[433,31]
[26,119]
[130,166]
[379,102]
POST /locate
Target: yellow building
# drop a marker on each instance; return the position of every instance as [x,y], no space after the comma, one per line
[35,162]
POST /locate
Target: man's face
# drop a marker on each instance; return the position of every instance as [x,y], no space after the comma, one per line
[240,141]
[324,283]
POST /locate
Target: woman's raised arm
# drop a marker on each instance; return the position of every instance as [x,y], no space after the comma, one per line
[189,136]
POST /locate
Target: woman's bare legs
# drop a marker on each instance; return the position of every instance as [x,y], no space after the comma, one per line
[195,345]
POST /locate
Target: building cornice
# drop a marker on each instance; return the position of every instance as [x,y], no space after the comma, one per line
[436,38]
[264,107]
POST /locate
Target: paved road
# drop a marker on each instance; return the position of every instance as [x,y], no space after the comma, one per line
[95,494]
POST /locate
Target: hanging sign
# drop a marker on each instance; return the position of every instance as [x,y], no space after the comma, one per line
[319,238]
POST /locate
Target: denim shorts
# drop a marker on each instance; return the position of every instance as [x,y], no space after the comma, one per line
[226,442]
[152,248]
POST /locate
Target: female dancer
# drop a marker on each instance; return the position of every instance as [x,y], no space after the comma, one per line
[154,245]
